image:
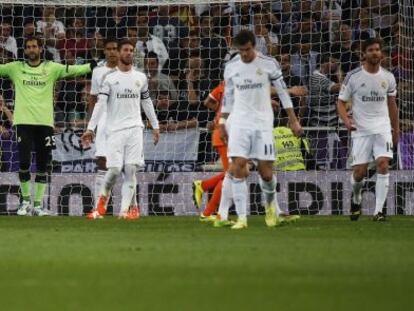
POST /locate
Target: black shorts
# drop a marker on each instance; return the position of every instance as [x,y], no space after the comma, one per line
[38,138]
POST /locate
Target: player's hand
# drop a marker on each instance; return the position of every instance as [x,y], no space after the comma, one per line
[395,138]
[349,124]
[156,135]
[87,138]
[296,129]
[298,91]
[4,133]
[223,133]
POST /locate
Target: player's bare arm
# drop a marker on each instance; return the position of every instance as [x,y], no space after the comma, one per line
[222,127]
[343,114]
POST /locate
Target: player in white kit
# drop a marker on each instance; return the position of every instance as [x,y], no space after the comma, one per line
[246,126]
[374,124]
[122,92]
[98,74]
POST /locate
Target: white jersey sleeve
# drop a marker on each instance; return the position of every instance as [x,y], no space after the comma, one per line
[392,86]
[345,94]
[228,92]
[148,106]
[276,78]
[100,105]
[95,83]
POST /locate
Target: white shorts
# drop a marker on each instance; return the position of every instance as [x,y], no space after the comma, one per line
[251,144]
[100,139]
[125,147]
[366,149]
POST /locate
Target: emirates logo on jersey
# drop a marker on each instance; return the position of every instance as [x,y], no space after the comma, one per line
[128,93]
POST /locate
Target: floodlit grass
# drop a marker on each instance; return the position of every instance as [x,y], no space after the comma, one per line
[177,263]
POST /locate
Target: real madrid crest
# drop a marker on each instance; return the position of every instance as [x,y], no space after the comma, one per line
[384,84]
[137,84]
[259,72]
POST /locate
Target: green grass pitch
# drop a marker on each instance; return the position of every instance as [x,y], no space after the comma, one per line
[177,263]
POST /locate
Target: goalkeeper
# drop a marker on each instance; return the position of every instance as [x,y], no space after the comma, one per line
[34,82]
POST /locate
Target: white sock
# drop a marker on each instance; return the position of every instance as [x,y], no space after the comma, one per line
[134,201]
[99,180]
[226,198]
[269,192]
[357,189]
[128,187]
[381,191]
[109,181]
[239,187]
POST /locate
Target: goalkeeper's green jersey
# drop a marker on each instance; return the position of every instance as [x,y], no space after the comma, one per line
[34,88]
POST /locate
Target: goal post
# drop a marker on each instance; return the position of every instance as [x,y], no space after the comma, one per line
[182,46]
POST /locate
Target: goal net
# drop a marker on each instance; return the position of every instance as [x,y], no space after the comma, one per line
[182,47]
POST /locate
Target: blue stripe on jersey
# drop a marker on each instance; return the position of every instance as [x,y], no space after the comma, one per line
[349,74]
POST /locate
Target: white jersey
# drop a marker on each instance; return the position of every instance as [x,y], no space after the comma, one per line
[369,94]
[125,90]
[247,85]
[98,75]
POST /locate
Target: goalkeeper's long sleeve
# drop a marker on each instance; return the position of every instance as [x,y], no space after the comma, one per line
[282,92]
[97,111]
[149,110]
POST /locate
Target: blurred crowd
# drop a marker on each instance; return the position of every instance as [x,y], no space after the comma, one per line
[183,49]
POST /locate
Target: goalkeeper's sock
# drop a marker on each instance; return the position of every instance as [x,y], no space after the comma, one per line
[39,193]
[226,198]
[211,183]
[214,202]
[99,181]
[25,190]
[239,188]
[381,191]
[356,189]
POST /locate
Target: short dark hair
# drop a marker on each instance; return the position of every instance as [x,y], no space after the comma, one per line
[33,38]
[110,40]
[243,37]
[152,54]
[370,41]
[124,42]
[326,58]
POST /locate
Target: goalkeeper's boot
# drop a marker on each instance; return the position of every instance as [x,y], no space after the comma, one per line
[270,218]
[38,210]
[355,209]
[197,193]
[133,212]
[240,224]
[219,223]
[94,215]
[24,208]
[210,218]
[379,217]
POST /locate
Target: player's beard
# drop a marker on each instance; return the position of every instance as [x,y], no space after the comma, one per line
[126,61]
[34,57]
[374,60]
